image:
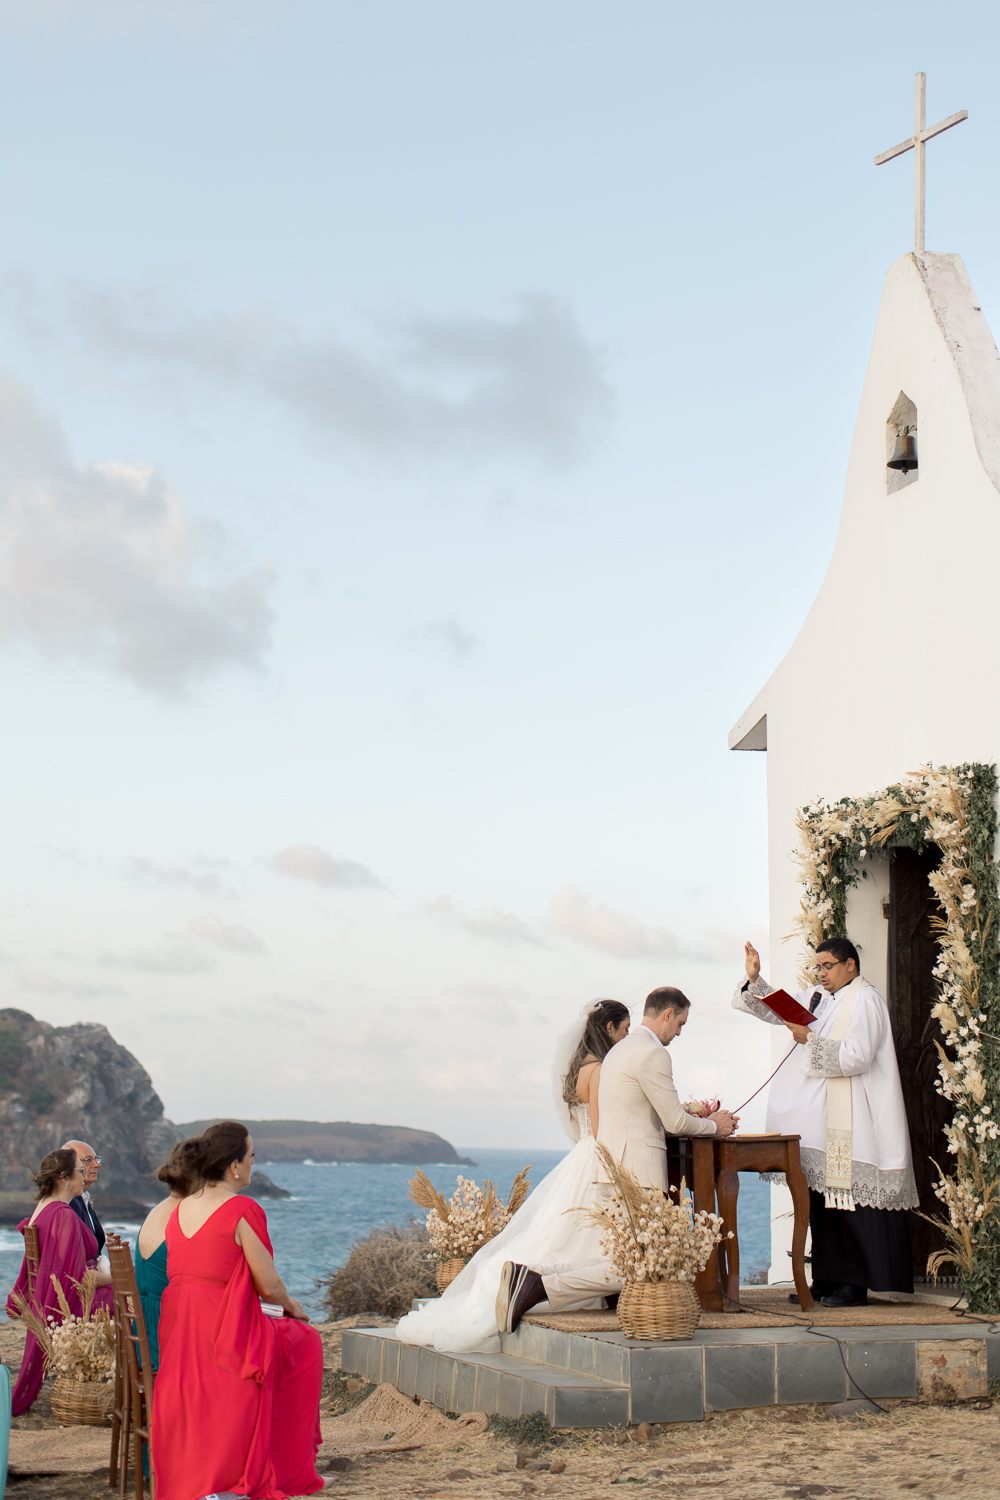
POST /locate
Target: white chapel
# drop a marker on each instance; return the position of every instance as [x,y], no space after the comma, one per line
[905,632]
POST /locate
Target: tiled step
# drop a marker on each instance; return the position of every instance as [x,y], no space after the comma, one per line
[601,1379]
[509,1386]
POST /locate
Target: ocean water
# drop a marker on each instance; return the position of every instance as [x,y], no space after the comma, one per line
[335,1203]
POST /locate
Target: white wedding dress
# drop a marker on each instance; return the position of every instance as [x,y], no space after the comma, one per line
[542,1235]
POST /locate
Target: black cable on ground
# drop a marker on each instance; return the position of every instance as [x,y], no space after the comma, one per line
[799,1319]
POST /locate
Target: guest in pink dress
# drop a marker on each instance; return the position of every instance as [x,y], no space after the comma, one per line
[67,1250]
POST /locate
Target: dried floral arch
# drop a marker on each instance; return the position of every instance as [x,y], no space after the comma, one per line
[954,809]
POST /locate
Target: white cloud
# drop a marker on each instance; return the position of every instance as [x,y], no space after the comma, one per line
[172,958]
[47,984]
[100,562]
[467,388]
[231,936]
[488,1002]
[496,1011]
[200,874]
[496,926]
[306,862]
[449,636]
[574,914]
[461,1075]
[276,1010]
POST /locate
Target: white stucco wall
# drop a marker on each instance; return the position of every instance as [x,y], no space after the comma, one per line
[904,625]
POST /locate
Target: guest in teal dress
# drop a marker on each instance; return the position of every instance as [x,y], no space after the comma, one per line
[151,1250]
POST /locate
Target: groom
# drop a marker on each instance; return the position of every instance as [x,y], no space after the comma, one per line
[637,1104]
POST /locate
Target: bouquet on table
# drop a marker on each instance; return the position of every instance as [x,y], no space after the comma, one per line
[702,1108]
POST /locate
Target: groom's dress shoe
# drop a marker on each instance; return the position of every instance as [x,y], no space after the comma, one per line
[520,1290]
[847,1296]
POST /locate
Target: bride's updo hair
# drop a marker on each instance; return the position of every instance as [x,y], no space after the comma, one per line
[596,1042]
[54,1167]
[206,1158]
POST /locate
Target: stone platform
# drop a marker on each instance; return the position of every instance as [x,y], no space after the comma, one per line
[602,1379]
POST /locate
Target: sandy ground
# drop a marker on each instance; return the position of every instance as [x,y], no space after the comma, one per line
[914,1450]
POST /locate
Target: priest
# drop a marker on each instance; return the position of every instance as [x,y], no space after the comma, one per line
[839,1090]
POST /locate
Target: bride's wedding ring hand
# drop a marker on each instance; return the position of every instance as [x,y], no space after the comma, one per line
[752,962]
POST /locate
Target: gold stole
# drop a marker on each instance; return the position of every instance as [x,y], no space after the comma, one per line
[839,1118]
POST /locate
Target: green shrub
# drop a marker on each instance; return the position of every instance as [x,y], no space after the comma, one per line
[533,1430]
[382,1274]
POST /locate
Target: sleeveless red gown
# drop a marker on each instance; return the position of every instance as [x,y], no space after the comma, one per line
[236,1400]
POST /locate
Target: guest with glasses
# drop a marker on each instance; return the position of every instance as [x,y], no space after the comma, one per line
[67,1252]
[81,1205]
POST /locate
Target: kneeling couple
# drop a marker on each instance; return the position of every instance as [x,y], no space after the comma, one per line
[611,1087]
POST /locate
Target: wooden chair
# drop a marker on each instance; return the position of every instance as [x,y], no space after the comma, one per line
[119,1414]
[31,1257]
[137,1374]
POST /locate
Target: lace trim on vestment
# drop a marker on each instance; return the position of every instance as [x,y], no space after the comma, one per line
[871,1186]
[751,997]
[822,1058]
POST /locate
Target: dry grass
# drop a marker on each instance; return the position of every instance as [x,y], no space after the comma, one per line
[425,1195]
[382,1274]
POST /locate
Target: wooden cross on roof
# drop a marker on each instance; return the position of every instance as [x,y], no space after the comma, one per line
[916,143]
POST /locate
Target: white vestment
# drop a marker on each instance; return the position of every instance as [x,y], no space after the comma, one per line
[881,1164]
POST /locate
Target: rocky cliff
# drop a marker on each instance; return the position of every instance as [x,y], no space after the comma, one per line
[60,1083]
[63,1082]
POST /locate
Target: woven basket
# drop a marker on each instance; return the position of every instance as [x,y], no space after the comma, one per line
[82,1403]
[658,1310]
[447,1271]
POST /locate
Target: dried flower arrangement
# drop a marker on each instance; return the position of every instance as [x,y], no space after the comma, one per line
[645,1236]
[80,1347]
[460,1225]
[702,1108]
[953,808]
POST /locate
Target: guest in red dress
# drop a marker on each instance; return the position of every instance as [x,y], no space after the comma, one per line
[236,1400]
[67,1250]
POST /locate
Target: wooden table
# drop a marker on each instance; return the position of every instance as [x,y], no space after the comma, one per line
[710,1168]
[757,1153]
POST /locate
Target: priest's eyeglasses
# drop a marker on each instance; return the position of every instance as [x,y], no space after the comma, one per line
[825,968]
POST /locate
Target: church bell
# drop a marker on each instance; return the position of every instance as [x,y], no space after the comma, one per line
[904,455]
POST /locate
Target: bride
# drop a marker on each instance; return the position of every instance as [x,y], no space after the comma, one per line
[541,1233]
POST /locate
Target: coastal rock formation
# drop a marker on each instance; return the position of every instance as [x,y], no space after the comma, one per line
[340,1140]
[57,1082]
[63,1082]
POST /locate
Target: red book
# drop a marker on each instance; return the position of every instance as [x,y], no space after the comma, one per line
[788,1008]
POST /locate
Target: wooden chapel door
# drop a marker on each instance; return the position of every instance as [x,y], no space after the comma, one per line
[913,952]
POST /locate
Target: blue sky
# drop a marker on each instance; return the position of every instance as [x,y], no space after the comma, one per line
[423,430]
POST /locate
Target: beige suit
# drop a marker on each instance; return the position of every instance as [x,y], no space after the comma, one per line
[637,1103]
